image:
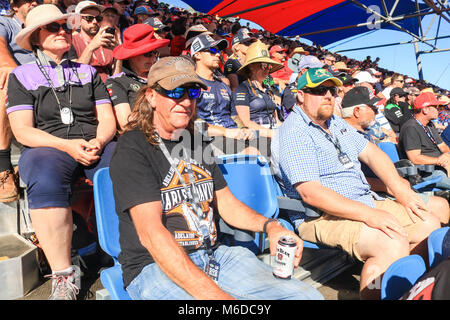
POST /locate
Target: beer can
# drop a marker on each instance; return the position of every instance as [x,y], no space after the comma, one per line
[283,265]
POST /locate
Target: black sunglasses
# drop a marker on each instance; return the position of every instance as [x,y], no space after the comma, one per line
[91,18]
[54,27]
[321,90]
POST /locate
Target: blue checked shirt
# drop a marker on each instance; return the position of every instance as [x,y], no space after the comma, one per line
[305,154]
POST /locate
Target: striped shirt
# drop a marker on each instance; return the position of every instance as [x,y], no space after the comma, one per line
[305,154]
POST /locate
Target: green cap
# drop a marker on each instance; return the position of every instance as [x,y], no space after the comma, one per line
[314,77]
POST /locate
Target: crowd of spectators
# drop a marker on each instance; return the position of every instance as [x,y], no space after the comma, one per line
[251,79]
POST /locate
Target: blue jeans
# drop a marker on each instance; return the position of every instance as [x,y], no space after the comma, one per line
[242,275]
[444,184]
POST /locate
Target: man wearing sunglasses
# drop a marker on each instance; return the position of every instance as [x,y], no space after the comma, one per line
[168,196]
[214,104]
[92,45]
[320,159]
[12,55]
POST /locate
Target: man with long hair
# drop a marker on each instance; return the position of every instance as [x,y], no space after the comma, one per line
[167,201]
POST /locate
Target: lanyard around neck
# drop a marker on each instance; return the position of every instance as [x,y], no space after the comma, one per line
[428,133]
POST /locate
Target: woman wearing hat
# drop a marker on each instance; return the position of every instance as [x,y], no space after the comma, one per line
[137,53]
[61,112]
[253,102]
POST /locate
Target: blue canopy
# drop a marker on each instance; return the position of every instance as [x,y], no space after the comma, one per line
[300,17]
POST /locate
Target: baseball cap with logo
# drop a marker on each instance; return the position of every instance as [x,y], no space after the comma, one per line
[157,25]
[194,31]
[243,36]
[426,99]
[301,61]
[205,41]
[173,72]
[358,96]
[314,77]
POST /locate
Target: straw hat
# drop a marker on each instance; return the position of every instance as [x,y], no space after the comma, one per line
[444,100]
[340,65]
[299,50]
[39,17]
[258,52]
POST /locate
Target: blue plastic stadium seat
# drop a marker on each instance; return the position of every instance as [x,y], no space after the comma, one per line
[401,276]
[250,180]
[429,185]
[108,233]
[390,149]
[438,246]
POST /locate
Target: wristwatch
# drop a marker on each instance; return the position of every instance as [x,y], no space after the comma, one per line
[269,221]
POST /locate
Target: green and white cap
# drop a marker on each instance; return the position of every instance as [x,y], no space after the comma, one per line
[314,77]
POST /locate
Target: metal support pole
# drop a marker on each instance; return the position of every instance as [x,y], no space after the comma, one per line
[388,20]
[418,60]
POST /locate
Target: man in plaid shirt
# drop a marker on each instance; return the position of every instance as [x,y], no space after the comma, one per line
[319,159]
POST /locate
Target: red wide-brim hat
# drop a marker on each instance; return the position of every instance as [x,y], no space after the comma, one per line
[138,39]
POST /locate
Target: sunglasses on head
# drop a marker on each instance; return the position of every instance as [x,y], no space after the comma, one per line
[321,90]
[178,93]
[91,18]
[151,54]
[54,27]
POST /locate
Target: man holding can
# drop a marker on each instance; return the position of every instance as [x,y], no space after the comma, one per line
[167,196]
[320,162]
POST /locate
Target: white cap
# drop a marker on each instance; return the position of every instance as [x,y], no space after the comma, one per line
[365,76]
[374,71]
[87,4]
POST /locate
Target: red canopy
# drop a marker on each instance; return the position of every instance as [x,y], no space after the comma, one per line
[276,15]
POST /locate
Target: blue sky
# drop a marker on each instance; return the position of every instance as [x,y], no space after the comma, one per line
[400,58]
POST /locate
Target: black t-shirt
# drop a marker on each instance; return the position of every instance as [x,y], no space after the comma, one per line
[123,87]
[413,137]
[28,89]
[141,173]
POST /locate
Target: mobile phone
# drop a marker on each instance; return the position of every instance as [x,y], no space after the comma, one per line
[110,30]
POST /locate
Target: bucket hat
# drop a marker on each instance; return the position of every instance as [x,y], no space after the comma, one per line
[38,17]
[138,39]
[258,52]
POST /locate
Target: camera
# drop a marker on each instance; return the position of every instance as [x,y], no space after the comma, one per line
[110,30]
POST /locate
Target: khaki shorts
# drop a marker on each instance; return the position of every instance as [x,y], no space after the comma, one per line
[343,233]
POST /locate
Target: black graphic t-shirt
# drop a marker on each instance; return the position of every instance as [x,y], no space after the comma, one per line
[141,173]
